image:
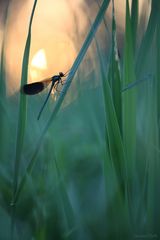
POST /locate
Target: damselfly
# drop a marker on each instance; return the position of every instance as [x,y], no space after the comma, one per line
[36,87]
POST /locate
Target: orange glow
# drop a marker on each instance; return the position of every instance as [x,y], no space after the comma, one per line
[51,33]
[58,31]
[38,65]
[39,60]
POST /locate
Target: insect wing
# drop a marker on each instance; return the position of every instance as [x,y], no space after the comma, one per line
[36,87]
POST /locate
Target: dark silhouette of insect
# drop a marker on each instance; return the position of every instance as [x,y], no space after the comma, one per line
[37,87]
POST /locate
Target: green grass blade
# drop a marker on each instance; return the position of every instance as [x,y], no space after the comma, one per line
[129,102]
[114,73]
[158,68]
[152,160]
[3,96]
[129,114]
[74,68]
[105,22]
[137,82]
[154,140]
[22,107]
[114,166]
[2,75]
[3,106]
[80,56]
[148,37]
[69,222]
[114,136]
[134,21]
[21,121]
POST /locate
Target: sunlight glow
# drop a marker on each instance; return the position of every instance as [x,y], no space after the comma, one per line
[39,60]
[38,65]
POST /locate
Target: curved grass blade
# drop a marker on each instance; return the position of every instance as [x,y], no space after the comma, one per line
[22,107]
[158,69]
[3,106]
[137,82]
[148,37]
[129,97]
[115,160]
[72,72]
[114,72]
[21,121]
[134,21]
[3,97]
[153,177]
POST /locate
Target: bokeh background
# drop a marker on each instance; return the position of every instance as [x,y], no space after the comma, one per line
[58,32]
[92,170]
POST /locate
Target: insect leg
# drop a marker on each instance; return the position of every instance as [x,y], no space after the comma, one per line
[63,81]
[56,87]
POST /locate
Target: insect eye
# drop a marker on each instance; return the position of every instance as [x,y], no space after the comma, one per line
[61,74]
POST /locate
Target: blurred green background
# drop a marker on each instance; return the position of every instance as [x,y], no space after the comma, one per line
[89,168]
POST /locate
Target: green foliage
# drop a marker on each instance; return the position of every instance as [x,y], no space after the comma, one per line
[89,168]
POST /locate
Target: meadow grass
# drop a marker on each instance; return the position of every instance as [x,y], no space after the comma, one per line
[89,168]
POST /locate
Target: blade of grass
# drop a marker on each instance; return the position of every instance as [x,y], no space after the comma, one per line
[3,106]
[21,121]
[137,82]
[69,220]
[114,72]
[158,69]
[134,21]
[22,107]
[73,70]
[105,22]
[129,121]
[3,97]
[114,167]
[148,37]
[113,135]
[152,160]
[153,213]
[129,104]
[6,190]
[2,77]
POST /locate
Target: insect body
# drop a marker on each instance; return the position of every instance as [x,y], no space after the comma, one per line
[36,87]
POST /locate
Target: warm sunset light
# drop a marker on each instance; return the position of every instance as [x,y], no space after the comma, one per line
[54,39]
[39,60]
[38,65]
[79,119]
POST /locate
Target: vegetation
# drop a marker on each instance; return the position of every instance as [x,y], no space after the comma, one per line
[89,168]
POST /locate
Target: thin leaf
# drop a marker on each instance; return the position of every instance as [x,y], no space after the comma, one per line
[134,21]
[114,72]
[22,107]
[73,70]
[148,38]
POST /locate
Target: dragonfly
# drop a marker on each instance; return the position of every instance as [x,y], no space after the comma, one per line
[37,87]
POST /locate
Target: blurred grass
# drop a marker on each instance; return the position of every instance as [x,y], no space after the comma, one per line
[22,107]
[129,105]
[21,122]
[134,22]
[94,172]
